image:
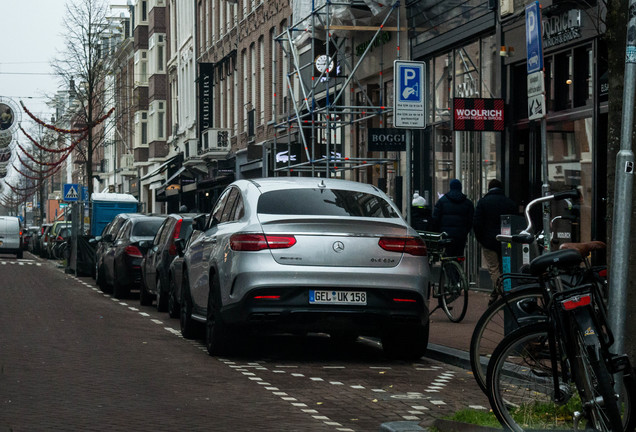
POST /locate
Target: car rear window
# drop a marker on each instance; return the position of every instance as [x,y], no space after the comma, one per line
[146,228]
[325,202]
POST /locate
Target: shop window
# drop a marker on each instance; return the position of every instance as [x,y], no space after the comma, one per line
[583,82]
[563,80]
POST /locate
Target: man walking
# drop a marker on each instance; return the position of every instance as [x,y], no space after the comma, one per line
[487,224]
[453,214]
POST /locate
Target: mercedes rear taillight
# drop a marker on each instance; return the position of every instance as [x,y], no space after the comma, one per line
[256,242]
[409,245]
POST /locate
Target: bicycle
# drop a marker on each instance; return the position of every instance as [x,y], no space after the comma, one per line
[559,371]
[520,305]
[452,288]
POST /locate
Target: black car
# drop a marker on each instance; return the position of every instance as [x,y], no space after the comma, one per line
[155,266]
[105,240]
[120,261]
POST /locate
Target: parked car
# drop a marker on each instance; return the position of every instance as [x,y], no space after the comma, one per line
[59,243]
[155,265]
[103,241]
[27,235]
[175,274]
[52,234]
[44,240]
[307,255]
[11,236]
[120,267]
[34,242]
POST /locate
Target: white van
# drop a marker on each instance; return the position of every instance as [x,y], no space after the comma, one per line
[10,236]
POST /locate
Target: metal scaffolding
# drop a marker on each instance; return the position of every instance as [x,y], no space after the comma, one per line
[320,86]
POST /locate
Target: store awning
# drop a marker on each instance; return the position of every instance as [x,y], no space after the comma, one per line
[164,166]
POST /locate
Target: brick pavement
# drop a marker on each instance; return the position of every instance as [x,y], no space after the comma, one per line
[74,359]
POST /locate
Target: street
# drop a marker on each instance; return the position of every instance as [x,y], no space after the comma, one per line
[73,358]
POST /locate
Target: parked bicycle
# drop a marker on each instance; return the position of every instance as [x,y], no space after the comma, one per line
[523,303]
[451,291]
[559,372]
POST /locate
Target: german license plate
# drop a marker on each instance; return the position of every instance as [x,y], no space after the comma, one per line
[337,297]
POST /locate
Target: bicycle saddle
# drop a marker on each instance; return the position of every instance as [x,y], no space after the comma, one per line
[561,259]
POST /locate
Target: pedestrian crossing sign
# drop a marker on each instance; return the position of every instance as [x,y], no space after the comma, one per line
[71,192]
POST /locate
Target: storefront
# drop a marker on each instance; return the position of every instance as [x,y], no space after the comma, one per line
[575,61]
[461,51]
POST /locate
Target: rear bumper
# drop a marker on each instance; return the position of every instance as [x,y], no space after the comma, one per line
[386,309]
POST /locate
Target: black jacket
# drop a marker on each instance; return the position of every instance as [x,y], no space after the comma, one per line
[453,213]
[487,220]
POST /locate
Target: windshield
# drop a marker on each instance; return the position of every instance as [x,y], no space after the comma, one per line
[146,228]
[325,202]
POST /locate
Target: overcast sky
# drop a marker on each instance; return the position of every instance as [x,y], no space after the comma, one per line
[31,31]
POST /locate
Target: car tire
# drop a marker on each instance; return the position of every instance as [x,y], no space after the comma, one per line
[100,279]
[145,298]
[162,297]
[120,291]
[218,339]
[173,303]
[406,343]
[187,324]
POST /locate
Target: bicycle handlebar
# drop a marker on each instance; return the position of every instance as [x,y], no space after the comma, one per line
[526,236]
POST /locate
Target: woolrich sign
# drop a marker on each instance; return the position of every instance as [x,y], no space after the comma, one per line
[478,114]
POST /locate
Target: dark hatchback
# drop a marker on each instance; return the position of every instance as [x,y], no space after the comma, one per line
[105,240]
[161,251]
[120,262]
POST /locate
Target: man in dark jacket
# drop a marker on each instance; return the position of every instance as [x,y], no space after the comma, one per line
[487,224]
[453,214]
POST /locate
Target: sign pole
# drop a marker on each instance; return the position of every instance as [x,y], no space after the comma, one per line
[409,111]
[623,189]
[536,100]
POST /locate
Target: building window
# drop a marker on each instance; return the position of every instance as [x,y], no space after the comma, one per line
[157,48]
[158,118]
[261,81]
[245,86]
[253,66]
[141,67]
[272,81]
[141,129]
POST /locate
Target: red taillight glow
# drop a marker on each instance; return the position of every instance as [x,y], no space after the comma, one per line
[256,242]
[172,250]
[603,273]
[576,302]
[409,245]
[404,300]
[267,297]
[60,238]
[133,251]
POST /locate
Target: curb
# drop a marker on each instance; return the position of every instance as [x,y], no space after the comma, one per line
[448,355]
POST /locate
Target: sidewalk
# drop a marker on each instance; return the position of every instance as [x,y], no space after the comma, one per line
[449,342]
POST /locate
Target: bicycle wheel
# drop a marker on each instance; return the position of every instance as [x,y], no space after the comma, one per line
[523,305]
[520,383]
[603,410]
[454,290]
[522,390]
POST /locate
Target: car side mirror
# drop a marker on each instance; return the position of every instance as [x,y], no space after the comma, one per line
[180,244]
[94,240]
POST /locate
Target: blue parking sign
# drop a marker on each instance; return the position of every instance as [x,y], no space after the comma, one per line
[410,83]
[534,42]
[409,94]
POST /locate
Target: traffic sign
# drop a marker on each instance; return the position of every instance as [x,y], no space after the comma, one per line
[409,91]
[536,107]
[534,42]
[71,192]
[536,83]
